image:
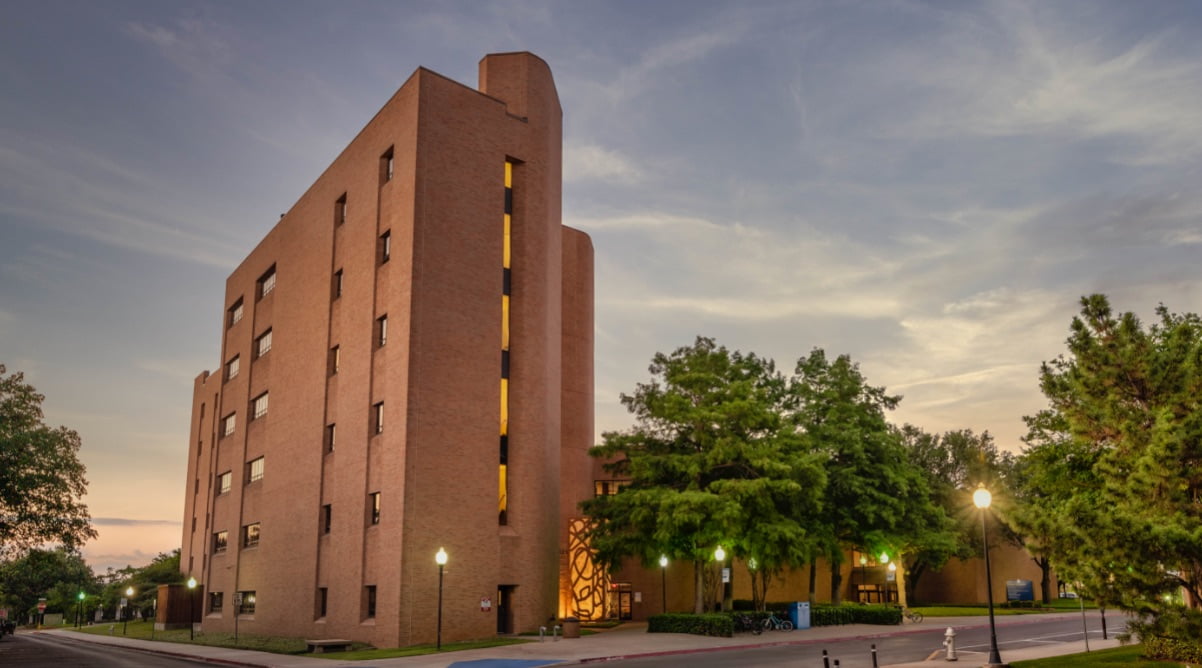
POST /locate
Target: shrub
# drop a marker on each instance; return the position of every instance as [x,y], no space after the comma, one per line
[1160,647]
[836,615]
[720,625]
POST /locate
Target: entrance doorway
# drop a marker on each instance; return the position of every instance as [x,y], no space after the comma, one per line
[621,601]
[505,609]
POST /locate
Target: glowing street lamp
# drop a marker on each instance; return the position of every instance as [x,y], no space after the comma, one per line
[191,608]
[441,559]
[129,593]
[982,499]
[79,611]
[663,569]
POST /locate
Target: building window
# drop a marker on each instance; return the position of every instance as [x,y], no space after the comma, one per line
[246,605]
[387,165]
[370,603]
[385,246]
[608,487]
[323,597]
[221,540]
[216,601]
[263,344]
[336,288]
[378,418]
[231,368]
[224,482]
[381,330]
[254,470]
[228,423]
[267,282]
[331,434]
[327,518]
[335,360]
[340,210]
[250,535]
[235,312]
[373,502]
[258,406]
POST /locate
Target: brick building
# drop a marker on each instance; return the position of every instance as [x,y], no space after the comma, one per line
[407,365]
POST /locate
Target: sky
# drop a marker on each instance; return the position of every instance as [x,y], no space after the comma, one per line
[928,187]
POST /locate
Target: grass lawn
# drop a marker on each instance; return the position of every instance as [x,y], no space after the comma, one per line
[1119,656]
[276,645]
[1060,605]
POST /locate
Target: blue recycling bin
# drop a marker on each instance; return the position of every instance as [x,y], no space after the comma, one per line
[799,614]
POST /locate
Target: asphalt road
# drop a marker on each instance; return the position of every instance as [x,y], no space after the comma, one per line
[893,648]
[36,650]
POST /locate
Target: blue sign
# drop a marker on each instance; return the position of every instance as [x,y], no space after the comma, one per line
[1020,590]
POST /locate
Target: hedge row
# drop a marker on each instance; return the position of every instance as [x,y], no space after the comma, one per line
[835,615]
[720,625]
[1172,649]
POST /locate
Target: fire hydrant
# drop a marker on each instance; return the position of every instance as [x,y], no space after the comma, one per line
[949,641]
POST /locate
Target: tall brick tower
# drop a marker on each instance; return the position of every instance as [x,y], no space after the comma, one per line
[407,364]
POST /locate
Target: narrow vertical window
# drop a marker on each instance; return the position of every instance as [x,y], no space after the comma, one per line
[369,603]
[327,518]
[267,282]
[263,344]
[340,210]
[385,244]
[330,437]
[323,596]
[335,360]
[381,331]
[235,312]
[373,502]
[336,288]
[259,407]
[254,470]
[225,482]
[231,368]
[506,291]
[228,424]
[378,418]
[387,166]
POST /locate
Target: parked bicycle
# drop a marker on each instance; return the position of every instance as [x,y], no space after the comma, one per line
[774,623]
[746,623]
[912,615]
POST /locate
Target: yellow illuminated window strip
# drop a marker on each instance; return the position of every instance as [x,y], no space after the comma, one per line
[505,322]
[503,502]
[508,174]
[505,255]
[504,406]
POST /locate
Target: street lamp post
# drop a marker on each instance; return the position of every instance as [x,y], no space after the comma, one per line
[720,557]
[863,576]
[663,569]
[129,592]
[191,608]
[441,560]
[981,498]
[79,612]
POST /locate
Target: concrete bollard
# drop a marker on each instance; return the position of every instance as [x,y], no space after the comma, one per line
[949,641]
[542,633]
[555,633]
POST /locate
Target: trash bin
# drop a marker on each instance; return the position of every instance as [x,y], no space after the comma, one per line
[571,627]
[799,614]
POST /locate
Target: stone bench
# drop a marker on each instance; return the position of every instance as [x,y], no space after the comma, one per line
[330,645]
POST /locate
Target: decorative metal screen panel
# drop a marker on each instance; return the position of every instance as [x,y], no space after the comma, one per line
[589,582]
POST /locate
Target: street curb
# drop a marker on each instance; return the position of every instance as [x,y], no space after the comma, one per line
[159,652]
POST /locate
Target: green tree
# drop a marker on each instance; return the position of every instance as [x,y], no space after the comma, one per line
[55,575]
[41,477]
[953,464]
[875,498]
[163,569]
[1124,402]
[710,461]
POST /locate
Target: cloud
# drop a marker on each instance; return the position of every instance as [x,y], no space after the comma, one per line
[126,522]
[589,162]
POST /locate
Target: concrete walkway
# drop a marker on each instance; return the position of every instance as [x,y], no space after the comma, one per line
[627,641]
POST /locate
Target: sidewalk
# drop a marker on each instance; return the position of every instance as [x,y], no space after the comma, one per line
[628,641]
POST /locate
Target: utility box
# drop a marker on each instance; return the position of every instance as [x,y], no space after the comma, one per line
[571,628]
[799,614]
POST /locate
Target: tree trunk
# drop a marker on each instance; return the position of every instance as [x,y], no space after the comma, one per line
[836,582]
[913,574]
[1045,579]
[813,583]
[698,587]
